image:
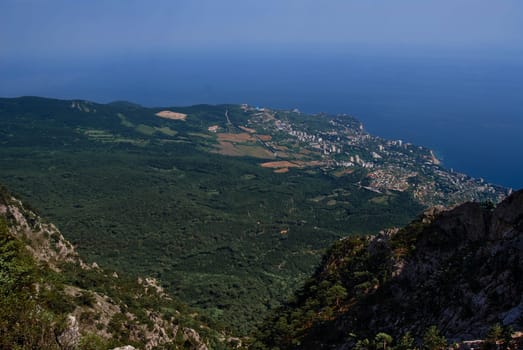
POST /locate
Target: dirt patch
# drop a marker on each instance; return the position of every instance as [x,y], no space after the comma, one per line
[243,137]
[249,130]
[230,149]
[171,115]
[294,164]
[280,164]
[281,170]
[265,137]
[227,149]
[312,163]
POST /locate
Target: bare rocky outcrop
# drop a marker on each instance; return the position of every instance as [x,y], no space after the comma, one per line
[463,275]
[45,242]
[459,269]
[70,337]
[151,283]
[194,338]
[93,316]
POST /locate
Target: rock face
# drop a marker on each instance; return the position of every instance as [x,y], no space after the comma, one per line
[464,274]
[70,337]
[459,269]
[43,240]
[89,311]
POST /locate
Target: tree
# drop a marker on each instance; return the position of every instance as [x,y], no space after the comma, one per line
[362,345]
[335,294]
[406,342]
[382,339]
[433,340]
[494,335]
[24,323]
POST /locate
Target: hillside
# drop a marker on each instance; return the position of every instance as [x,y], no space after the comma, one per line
[458,270]
[51,299]
[229,206]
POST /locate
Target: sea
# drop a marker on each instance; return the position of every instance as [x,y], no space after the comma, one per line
[467,108]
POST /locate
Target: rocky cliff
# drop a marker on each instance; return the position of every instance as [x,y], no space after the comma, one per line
[459,270]
[50,298]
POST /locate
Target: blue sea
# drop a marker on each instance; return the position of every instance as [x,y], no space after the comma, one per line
[469,109]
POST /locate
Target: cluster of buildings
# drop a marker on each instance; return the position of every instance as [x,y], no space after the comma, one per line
[392,165]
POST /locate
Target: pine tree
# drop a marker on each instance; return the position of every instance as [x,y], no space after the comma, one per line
[494,335]
[406,342]
[382,340]
[433,340]
[362,345]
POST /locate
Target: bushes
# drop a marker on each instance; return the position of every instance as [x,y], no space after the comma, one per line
[93,342]
[25,321]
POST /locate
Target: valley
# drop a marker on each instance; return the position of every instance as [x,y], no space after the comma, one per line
[230,207]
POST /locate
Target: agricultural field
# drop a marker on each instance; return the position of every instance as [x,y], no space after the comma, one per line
[229,220]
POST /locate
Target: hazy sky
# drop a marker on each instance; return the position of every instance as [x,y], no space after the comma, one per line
[104,27]
[420,70]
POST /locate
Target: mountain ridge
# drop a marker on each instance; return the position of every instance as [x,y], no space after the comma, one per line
[79,305]
[457,269]
[260,193]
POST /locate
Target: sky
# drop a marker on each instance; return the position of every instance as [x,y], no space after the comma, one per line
[441,73]
[65,28]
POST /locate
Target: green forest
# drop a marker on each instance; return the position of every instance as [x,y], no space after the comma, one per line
[149,196]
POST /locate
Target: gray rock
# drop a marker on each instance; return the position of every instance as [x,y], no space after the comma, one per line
[70,338]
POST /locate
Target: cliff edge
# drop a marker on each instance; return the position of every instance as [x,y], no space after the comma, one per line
[459,270]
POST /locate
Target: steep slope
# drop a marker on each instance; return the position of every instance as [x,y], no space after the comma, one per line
[51,299]
[459,270]
[229,206]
